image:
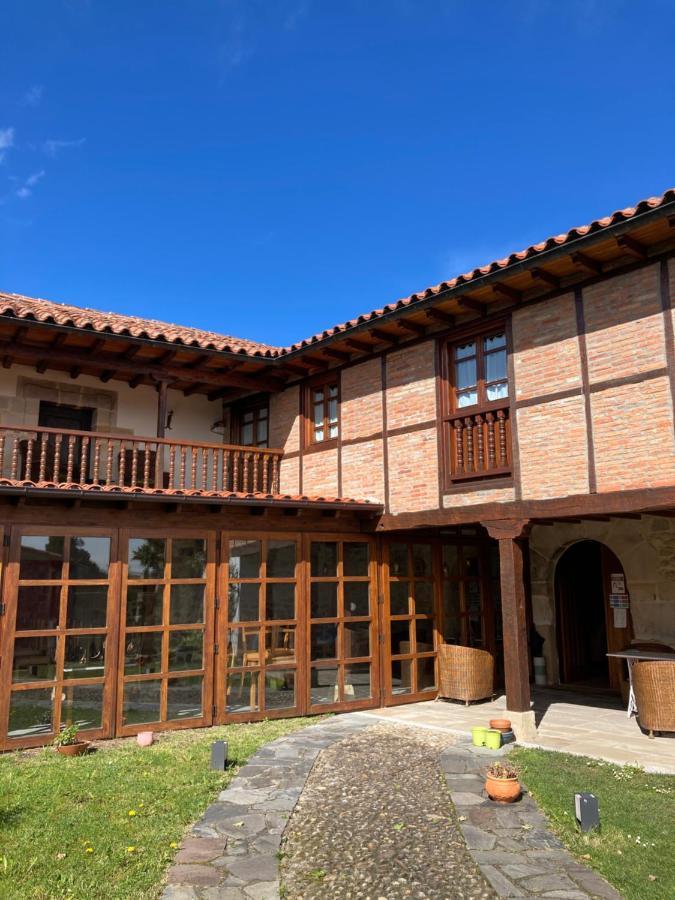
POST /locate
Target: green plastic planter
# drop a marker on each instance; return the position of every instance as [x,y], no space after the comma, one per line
[493,739]
[478,736]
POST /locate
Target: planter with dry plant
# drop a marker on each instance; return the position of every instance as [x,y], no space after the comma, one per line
[502,782]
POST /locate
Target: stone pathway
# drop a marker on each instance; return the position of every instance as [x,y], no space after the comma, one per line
[374,821]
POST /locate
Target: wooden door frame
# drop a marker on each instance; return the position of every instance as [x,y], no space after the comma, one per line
[8,635]
[209,536]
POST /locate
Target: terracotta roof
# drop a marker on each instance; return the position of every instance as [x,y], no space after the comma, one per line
[131,326]
[574,234]
[115,323]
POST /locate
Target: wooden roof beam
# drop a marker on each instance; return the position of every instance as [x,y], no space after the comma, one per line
[630,245]
[383,336]
[474,305]
[587,262]
[135,381]
[107,375]
[7,361]
[437,315]
[505,290]
[296,369]
[317,361]
[192,389]
[414,327]
[547,277]
[359,345]
[340,355]
[75,372]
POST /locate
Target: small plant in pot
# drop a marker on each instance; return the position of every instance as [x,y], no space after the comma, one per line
[68,743]
[502,782]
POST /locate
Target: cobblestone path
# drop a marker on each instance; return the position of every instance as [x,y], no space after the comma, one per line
[375,820]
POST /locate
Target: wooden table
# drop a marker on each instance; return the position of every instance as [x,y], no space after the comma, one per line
[633,656]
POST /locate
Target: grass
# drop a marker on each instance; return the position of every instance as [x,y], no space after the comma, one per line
[108,824]
[634,848]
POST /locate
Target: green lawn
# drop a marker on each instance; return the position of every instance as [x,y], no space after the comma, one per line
[634,848]
[108,824]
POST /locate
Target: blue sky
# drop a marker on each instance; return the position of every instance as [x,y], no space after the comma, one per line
[267,168]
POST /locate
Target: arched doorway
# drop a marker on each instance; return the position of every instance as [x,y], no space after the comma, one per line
[587,627]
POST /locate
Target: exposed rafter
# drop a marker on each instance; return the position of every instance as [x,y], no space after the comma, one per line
[359,345]
[384,336]
[547,277]
[630,245]
[475,305]
[437,315]
[505,290]
[414,327]
[588,263]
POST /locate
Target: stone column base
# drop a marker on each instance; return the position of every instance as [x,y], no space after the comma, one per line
[523,724]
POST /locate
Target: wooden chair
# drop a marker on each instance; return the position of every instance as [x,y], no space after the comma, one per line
[465,673]
[654,687]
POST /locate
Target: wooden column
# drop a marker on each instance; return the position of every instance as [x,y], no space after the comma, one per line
[510,534]
[162,406]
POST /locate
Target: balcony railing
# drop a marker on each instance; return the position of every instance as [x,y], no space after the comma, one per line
[480,444]
[54,458]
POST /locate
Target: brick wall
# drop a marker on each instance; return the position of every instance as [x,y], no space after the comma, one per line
[320,473]
[546,348]
[361,400]
[411,386]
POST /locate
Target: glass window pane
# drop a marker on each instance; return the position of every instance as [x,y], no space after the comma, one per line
[188,558]
[38,608]
[424,633]
[332,390]
[279,644]
[187,604]
[89,557]
[263,412]
[472,596]
[280,601]
[318,414]
[324,685]
[87,606]
[247,434]
[356,594]
[466,398]
[279,689]
[357,681]
[83,706]
[243,692]
[324,600]
[243,647]
[40,557]
[424,598]
[143,653]
[475,631]
[318,434]
[84,656]
[398,559]
[464,350]
[451,610]
[324,559]
[144,604]
[421,559]
[426,674]
[465,374]
[495,366]
[494,341]
[355,639]
[450,560]
[141,702]
[498,390]
[401,674]
[186,650]
[245,559]
[184,698]
[471,558]
[243,602]
[34,659]
[332,410]
[399,592]
[400,637]
[30,713]
[332,431]
[261,435]
[281,559]
[324,641]
[355,557]
[146,557]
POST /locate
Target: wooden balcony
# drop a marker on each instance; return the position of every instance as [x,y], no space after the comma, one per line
[480,444]
[69,460]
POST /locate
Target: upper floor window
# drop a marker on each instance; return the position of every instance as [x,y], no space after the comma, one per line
[251,425]
[479,371]
[324,423]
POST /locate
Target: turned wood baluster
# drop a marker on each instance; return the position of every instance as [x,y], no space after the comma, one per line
[257,463]
[97,460]
[57,458]
[2,452]
[214,473]
[123,463]
[468,422]
[109,463]
[225,474]
[183,466]
[235,472]
[146,465]
[275,476]
[247,463]
[205,469]
[134,464]
[15,458]
[70,462]
[459,446]
[490,419]
[159,465]
[266,473]
[43,457]
[193,467]
[29,458]
[501,422]
[84,459]
[481,436]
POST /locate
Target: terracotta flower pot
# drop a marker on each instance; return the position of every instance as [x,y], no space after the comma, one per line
[500,724]
[76,749]
[505,789]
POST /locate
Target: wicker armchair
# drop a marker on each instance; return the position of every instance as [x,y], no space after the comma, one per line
[654,687]
[466,673]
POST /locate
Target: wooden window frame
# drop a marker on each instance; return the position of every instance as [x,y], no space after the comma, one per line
[490,454]
[309,439]
[239,410]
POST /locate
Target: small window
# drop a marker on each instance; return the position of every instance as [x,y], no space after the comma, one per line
[251,425]
[479,373]
[324,411]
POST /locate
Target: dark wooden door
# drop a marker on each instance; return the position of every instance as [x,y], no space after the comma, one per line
[65,418]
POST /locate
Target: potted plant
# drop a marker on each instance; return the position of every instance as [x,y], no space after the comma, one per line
[68,743]
[501,782]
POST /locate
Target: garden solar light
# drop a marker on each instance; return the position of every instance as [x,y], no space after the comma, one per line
[219,755]
[587,811]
